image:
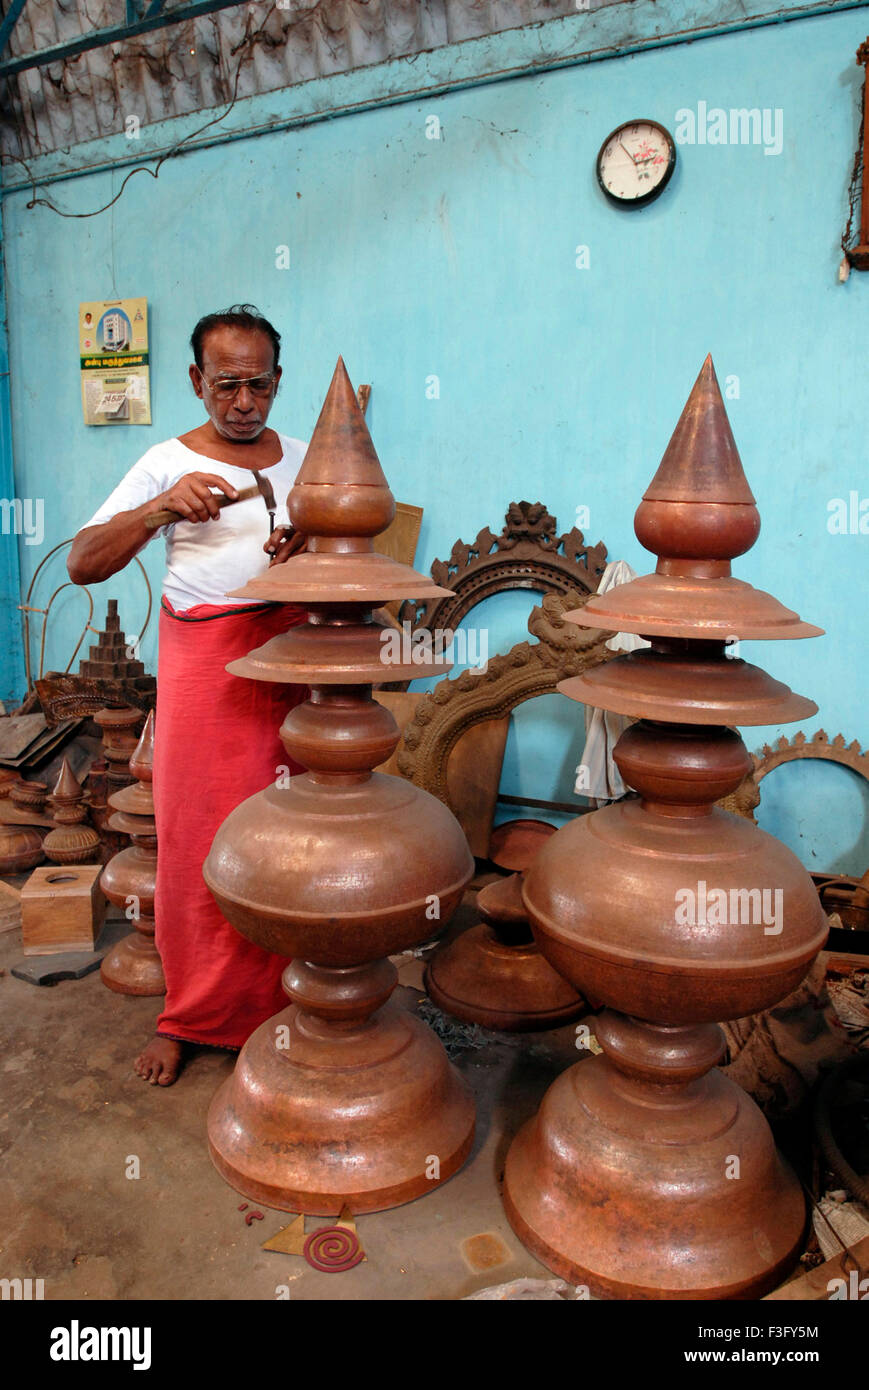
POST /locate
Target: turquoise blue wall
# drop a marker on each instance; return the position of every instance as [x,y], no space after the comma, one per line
[456,257]
[11,647]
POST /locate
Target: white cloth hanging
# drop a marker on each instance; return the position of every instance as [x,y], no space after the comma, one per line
[597,776]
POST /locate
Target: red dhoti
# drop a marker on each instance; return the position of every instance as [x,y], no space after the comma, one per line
[216,744]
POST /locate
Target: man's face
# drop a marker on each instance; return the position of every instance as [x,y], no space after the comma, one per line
[236,354]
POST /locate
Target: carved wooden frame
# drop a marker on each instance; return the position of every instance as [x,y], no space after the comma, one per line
[833,750]
[528,669]
[526,555]
[745,800]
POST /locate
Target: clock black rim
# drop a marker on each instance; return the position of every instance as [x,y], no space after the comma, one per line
[645,198]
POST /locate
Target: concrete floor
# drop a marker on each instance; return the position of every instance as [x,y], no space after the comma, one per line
[72,1111]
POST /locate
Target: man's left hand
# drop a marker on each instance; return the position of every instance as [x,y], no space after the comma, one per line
[284,542]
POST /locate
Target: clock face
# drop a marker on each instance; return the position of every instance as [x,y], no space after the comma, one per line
[635,162]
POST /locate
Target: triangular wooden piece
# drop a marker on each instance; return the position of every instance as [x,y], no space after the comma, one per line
[347,1219]
[290,1240]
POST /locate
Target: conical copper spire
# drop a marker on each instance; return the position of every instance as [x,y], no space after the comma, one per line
[698,506]
[697,514]
[701,463]
[67,787]
[339,501]
[341,450]
[142,761]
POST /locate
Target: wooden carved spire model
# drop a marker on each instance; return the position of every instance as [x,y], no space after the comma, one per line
[133,966]
[646,1172]
[343,1098]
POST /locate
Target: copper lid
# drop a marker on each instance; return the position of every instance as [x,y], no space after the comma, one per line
[692,688]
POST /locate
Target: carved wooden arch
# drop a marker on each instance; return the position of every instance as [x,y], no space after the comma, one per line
[526,555]
[833,750]
[745,800]
[530,668]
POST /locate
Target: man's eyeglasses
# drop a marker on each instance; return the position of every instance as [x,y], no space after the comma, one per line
[227,388]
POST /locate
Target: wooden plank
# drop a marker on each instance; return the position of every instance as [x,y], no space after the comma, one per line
[814,1285]
[17,732]
[473,775]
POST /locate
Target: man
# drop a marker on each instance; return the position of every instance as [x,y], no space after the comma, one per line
[216,734]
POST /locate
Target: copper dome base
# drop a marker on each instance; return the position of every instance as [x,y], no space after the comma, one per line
[494,973]
[644,1191]
[133,966]
[321,1114]
[511,988]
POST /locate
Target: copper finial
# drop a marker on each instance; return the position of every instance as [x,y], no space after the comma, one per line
[699,506]
[142,761]
[696,515]
[338,867]
[655,908]
[67,787]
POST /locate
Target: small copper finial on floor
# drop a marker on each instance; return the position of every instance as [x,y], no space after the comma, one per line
[129,879]
[71,841]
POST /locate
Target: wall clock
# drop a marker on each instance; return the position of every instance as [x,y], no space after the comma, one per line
[636,162]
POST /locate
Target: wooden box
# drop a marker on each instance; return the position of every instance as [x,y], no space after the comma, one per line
[62,909]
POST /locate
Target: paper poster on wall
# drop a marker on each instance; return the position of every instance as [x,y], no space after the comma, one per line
[115,376]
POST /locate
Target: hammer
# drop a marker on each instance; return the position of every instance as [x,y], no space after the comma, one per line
[263,488]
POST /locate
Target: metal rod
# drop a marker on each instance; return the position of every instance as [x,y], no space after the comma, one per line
[116,33]
[10,19]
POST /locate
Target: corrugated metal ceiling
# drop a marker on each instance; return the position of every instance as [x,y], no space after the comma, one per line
[192,66]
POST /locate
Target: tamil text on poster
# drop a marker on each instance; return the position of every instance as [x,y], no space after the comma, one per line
[115,377]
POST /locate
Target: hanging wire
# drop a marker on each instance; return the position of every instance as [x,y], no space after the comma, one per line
[27,607]
[856,184]
[34,201]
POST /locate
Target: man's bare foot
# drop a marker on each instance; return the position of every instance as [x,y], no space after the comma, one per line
[161,1061]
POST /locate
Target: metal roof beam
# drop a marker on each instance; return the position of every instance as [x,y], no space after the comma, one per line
[10,19]
[155,17]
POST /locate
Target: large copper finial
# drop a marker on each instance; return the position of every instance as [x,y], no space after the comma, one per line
[343,1098]
[647,1173]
